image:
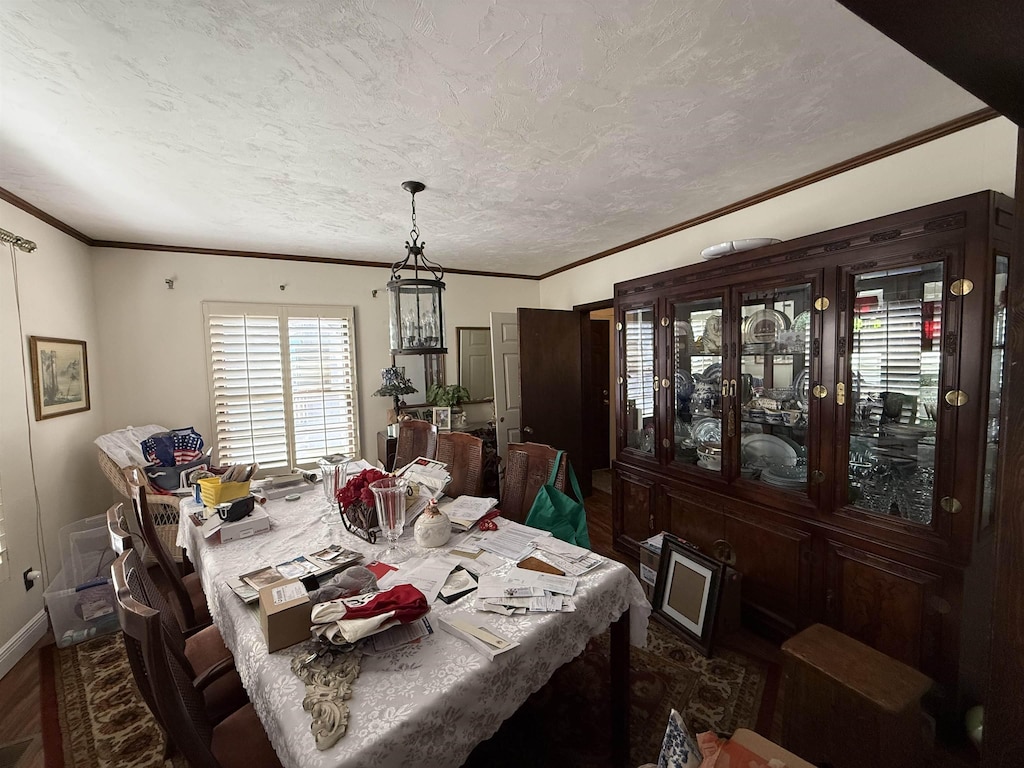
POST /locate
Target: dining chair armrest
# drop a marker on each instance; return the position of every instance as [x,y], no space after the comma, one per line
[212,674]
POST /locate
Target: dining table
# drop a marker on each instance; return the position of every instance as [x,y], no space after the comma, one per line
[429,702]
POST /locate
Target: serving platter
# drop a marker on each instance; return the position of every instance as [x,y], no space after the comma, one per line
[767,450]
[764,326]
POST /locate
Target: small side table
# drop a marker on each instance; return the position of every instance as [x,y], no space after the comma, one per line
[849,705]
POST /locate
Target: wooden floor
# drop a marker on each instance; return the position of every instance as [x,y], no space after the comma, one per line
[21,684]
[20,715]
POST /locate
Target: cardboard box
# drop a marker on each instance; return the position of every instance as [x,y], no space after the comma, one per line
[257,521]
[650,559]
[284,614]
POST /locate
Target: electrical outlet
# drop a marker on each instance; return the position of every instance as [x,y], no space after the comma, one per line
[29,583]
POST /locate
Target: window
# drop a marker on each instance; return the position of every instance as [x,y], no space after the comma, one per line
[283,383]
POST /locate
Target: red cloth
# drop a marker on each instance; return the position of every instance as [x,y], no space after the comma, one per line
[407,602]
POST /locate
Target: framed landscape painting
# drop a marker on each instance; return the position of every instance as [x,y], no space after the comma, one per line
[60,376]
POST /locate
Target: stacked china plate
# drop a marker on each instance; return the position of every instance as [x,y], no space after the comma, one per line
[790,478]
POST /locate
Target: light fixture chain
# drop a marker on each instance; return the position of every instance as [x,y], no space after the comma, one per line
[414,233]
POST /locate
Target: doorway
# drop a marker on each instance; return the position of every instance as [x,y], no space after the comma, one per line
[598,400]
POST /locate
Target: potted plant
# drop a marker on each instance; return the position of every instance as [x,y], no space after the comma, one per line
[450,395]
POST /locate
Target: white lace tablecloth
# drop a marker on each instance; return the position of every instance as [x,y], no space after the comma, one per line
[428,703]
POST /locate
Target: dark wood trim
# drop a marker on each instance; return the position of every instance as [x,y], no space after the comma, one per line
[619,663]
[1003,744]
[287,257]
[594,305]
[909,142]
[26,206]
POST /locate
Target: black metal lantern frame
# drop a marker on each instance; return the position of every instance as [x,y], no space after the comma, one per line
[416,310]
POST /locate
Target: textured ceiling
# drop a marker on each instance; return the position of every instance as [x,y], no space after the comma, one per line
[545,130]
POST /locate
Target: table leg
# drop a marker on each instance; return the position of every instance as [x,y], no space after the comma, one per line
[620,689]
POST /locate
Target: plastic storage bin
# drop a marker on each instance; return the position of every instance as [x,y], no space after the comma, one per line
[80,599]
[81,612]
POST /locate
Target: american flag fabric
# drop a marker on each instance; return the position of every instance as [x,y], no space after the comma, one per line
[168,449]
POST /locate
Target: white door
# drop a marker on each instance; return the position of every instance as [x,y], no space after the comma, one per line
[507,396]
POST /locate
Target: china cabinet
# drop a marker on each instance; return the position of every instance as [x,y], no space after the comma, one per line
[823,415]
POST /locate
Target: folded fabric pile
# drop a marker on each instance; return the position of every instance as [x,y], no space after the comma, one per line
[349,619]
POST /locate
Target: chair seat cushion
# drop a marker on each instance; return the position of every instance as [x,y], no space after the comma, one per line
[240,742]
[206,648]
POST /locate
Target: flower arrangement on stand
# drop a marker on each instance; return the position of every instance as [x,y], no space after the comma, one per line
[358,508]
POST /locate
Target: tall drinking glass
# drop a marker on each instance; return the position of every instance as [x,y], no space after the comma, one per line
[334,469]
[389,496]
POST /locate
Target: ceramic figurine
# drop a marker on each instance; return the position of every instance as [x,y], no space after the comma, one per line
[432,529]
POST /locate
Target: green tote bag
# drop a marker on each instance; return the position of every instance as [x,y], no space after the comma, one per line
[563,515]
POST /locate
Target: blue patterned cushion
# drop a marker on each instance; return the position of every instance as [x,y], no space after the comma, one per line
[679,749]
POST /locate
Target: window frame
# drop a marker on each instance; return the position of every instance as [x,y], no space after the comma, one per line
[283,312]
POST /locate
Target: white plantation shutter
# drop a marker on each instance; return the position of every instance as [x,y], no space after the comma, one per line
[282,383]
[640,360]
[321,352]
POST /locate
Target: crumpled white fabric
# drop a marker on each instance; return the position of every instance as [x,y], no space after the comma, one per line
[123,445]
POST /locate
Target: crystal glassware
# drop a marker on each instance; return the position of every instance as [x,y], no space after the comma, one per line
[389,497]
[335,470]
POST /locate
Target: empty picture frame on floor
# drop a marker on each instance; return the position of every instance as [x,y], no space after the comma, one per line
[686,592]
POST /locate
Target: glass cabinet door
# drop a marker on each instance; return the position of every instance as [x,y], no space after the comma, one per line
[896,351]
[773,386]
[638,350]
[995,387]
[696,351]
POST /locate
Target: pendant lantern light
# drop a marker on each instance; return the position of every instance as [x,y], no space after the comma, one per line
[417,317]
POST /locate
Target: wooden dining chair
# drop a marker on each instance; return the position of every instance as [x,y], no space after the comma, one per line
[236,741]
[117,528]
[186,591]
[528,467]
[464,456]
[203,655]
[415,438]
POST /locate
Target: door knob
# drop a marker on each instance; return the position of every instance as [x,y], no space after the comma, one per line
[528,430]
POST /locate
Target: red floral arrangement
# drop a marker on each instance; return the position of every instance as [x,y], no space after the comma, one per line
[358,488]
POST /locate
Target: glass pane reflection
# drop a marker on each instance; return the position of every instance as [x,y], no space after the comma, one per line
[697,362]
[639,340]
[895,358]
[773,387]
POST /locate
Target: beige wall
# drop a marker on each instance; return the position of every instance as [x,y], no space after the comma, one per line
[55,289]
[153,353]
[982,157]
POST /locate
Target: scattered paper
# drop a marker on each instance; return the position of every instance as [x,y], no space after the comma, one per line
[398,635]
[512,540]
[427,574]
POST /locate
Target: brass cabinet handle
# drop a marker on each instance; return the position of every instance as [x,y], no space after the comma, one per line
[665,383]
[732,388]
[840,393]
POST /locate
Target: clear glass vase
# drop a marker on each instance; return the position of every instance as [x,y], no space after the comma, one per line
[335,473]
[389,497]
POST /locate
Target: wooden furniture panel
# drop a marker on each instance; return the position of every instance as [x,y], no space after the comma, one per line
[386,450]
[775,562]
[633,518]
[694,517]
[891,606]
[848,705]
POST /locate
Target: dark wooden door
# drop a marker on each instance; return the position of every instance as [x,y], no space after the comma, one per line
[598,396]
[551,382]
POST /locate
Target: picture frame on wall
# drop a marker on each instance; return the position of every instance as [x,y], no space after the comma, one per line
[442,418]
[60,376]
[686,592]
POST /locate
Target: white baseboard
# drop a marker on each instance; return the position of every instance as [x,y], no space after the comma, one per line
[22,642]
